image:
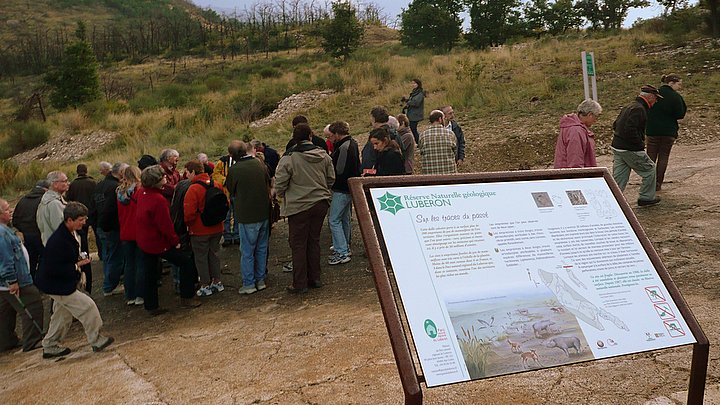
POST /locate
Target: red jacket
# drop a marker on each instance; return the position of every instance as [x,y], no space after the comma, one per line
[155,231]
[575,145]
[127,210]
[194,204]
[173,177]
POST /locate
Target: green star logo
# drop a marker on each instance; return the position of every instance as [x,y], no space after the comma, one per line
[390,203]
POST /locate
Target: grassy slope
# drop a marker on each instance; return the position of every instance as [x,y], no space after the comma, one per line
[491,91]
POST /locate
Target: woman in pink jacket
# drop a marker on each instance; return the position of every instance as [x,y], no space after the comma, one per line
[575,146]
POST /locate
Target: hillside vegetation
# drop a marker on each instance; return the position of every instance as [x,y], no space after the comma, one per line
[508,99]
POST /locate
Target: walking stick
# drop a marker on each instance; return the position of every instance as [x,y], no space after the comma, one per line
[27,312]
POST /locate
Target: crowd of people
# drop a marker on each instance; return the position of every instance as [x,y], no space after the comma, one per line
[151,216]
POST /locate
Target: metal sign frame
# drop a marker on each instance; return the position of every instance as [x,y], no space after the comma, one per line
[397,331]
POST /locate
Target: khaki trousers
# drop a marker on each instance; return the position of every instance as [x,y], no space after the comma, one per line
[65,308]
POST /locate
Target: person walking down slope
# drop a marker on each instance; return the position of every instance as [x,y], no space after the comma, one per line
[58,276]
[575,146]
[628,146]
[662,125]
[415,107]
[438,146]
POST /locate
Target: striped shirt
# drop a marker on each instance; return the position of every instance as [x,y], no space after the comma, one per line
[437,150]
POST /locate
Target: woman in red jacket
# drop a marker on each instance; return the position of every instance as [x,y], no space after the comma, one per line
[127,193]
[205,240]
[156,237]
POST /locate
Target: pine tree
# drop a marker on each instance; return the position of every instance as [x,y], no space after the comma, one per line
[342,35]
[75,81]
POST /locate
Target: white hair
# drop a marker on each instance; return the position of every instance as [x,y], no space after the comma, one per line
[105,166]
[589,106]
[202,157]
[393,122]
[167,154]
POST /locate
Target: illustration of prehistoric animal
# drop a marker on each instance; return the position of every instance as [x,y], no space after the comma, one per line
[488,324]
[558,310]
[514,346]
[564,343]
[527,356]
[541,327]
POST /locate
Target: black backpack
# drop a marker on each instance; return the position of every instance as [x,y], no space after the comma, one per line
[216,205]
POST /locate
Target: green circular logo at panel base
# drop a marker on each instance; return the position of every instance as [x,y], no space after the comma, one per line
[430,329]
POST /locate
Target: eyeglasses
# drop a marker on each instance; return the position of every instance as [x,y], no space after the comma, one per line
[61,181]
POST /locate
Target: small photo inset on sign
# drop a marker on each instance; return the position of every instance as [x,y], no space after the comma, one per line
[576,197]
[542,200]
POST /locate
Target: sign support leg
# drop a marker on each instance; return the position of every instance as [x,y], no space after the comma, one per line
[698,373]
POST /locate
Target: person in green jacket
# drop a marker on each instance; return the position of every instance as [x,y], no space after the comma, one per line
[415,107]
[662,124]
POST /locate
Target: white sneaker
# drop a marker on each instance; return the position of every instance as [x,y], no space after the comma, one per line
[287,267]
[338,259]
[204,291]
[247,290]
[139,301]
[219,287]
[261,285]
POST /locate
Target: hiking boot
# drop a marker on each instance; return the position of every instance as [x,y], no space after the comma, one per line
[293,290]
[139,301]
[287,267]
[117,291]
[261,285]
[204,291]
[157,311]
[190,303]
[55,351]
[107,342]
[647,203]
[219,287]
[338,259]
[247,290]
[130,302]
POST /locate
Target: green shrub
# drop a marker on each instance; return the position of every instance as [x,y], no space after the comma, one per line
[560,83]
[8,171]
[96,110]
[332,80]
[269,72]
[259,101]
[215,83]
[28,175]
[24,136]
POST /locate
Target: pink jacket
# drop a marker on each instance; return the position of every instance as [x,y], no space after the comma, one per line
[575,145]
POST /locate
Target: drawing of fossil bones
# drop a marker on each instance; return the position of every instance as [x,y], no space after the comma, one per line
[577,304]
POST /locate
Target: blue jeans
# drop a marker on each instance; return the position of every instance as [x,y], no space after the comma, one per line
[253,251]
[229,234]
[134,270]
[112,259]
[339,221]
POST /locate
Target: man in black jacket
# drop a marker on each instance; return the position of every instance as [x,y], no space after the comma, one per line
[81,190]
[25,221]
[58,276]
[108,228]
[346,159]
[628,146]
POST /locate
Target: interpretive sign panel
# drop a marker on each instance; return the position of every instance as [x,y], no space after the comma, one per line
[502,277]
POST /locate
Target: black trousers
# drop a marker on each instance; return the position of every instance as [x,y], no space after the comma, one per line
[9,309]
[188,275]
[34,246]
[85,247]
